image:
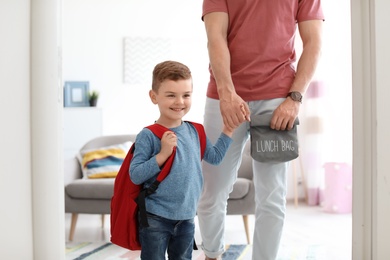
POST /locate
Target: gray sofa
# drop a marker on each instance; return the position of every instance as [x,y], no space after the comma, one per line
[93,196]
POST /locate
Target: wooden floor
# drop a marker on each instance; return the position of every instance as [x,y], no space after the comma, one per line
[305,225]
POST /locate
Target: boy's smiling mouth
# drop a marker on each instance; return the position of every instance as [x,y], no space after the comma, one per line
[177,109]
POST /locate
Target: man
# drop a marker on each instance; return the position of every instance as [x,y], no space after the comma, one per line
[252,57]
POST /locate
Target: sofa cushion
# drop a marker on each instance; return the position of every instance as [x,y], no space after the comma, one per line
[103,188]
[103,162]
[240,189]
[91,188]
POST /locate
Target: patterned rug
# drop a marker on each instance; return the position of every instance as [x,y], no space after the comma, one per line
[108,251]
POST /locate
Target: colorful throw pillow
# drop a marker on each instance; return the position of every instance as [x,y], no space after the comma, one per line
[103,162]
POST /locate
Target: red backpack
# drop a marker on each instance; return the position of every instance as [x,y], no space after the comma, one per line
[128,197]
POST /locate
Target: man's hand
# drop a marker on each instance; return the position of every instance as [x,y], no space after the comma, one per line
[234,111]
[285,114]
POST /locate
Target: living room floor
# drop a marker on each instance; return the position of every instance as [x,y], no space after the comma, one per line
[306,225]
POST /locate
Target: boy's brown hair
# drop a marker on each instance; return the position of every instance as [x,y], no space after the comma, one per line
[169,70]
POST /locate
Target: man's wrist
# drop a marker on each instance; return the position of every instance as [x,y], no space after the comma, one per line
[227,90]
[295,95]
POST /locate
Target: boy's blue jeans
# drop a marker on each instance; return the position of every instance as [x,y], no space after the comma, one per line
[176,237]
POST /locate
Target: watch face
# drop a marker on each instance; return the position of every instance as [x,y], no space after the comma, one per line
[296,96]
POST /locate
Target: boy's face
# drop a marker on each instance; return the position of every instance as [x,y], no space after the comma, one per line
[174,99]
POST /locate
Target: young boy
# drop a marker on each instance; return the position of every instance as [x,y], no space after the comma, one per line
[172,209]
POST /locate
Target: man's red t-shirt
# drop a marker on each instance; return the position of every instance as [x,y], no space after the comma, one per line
[261,37]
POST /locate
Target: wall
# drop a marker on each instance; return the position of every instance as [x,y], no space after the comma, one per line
[93,35]
[31,177]
[15,181]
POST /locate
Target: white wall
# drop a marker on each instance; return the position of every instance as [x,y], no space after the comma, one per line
[335,69]
[15,176]
[31,179]
[93,35]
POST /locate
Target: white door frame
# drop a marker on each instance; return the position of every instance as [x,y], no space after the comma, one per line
[362,130]
[371,124]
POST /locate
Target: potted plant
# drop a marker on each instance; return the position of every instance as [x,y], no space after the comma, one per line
[93,97]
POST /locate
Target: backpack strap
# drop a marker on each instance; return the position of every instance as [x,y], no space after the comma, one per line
[158,130]
[202,137]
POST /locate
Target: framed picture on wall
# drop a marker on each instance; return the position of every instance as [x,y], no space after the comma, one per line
[76,94]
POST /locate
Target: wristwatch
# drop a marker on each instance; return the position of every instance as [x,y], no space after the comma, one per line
[295,95]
